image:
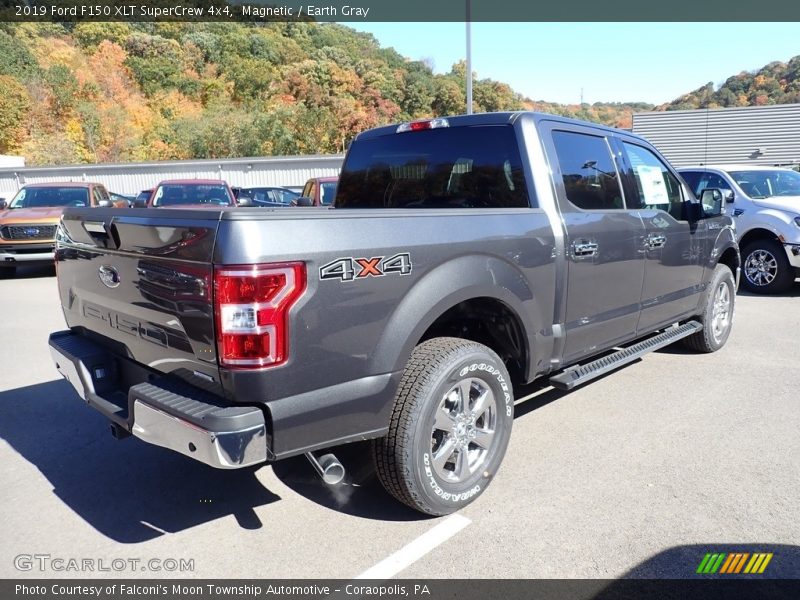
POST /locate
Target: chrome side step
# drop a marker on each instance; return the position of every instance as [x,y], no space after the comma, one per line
[569,378]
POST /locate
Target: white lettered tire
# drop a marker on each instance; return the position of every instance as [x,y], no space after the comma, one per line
[450,426]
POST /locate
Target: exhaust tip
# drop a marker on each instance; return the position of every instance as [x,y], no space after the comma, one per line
[328,467]
[332,469]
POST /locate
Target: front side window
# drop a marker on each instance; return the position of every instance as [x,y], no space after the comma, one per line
[458,167]
[588,171]
[656,186]
[39,197]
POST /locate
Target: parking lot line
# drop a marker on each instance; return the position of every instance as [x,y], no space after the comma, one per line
[416,549]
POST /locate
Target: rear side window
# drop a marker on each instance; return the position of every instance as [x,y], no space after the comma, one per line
[588,171]
[459,167]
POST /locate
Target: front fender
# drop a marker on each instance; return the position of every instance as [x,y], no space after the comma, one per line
[778,222]
[464,278]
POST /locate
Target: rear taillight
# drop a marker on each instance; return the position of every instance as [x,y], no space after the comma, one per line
[251,303]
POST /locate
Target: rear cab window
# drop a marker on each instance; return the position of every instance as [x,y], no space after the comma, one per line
[458,167]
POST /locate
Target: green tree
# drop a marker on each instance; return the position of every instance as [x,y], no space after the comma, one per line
[15,59]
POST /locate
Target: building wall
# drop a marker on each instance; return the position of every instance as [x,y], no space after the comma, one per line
[768,135]
[131,178]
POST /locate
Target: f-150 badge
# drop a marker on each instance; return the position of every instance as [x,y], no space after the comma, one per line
[350,269]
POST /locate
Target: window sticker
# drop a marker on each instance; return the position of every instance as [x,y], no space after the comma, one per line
[653,186]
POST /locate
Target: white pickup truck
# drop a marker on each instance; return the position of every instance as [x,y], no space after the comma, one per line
[765,202]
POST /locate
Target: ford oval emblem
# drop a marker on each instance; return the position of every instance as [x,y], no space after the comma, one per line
[109,276]
[31,231]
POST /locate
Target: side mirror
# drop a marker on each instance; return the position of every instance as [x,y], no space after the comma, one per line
[3,204]
[244,202]
[303,201]
[729,196]
[105,204]
[140,204]
[712,202]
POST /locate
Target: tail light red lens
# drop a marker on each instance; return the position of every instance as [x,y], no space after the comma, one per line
[252,303]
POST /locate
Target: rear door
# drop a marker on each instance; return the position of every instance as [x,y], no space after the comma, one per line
[673,245]
[142,286]
[604,240]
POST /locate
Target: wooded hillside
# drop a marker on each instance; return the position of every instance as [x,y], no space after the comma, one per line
[116,92]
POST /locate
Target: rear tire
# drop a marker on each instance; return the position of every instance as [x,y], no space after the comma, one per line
[717,318]
[765,267]
[450,426]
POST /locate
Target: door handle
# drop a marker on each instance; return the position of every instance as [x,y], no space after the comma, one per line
[584,248]
[656,241]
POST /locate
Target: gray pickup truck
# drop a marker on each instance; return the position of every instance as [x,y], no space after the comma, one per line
[463,256]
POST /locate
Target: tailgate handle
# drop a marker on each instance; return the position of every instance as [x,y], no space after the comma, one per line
[103,234]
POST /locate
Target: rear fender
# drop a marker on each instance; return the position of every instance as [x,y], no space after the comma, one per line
[440,289]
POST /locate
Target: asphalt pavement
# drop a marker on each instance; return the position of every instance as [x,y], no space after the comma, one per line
[639,473]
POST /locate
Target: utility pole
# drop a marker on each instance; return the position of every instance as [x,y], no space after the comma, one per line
[469,57]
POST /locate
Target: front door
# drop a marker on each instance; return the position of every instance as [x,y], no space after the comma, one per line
[604,241]
[673,271]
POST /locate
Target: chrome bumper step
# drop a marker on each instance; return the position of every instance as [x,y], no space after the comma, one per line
[160,410]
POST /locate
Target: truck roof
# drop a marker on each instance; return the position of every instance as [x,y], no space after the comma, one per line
[493,118]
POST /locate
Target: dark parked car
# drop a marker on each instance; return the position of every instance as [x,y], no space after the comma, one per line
[191,193]
[143,198]
[267,196]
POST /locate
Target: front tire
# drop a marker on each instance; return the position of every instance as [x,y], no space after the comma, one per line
[766,268]
[717,317]
[450,426]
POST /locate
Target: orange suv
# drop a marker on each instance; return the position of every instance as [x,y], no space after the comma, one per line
[28,223]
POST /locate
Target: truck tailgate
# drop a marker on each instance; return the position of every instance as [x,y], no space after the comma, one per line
[139,282]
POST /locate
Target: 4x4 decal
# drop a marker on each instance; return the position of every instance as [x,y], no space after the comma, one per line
[349,269]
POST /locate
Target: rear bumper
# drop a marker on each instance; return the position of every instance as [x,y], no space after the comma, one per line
[158,410]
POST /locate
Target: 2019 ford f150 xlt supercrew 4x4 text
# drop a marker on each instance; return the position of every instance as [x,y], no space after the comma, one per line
[464,256]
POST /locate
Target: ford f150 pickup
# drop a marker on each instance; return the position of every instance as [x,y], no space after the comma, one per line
[464,256]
